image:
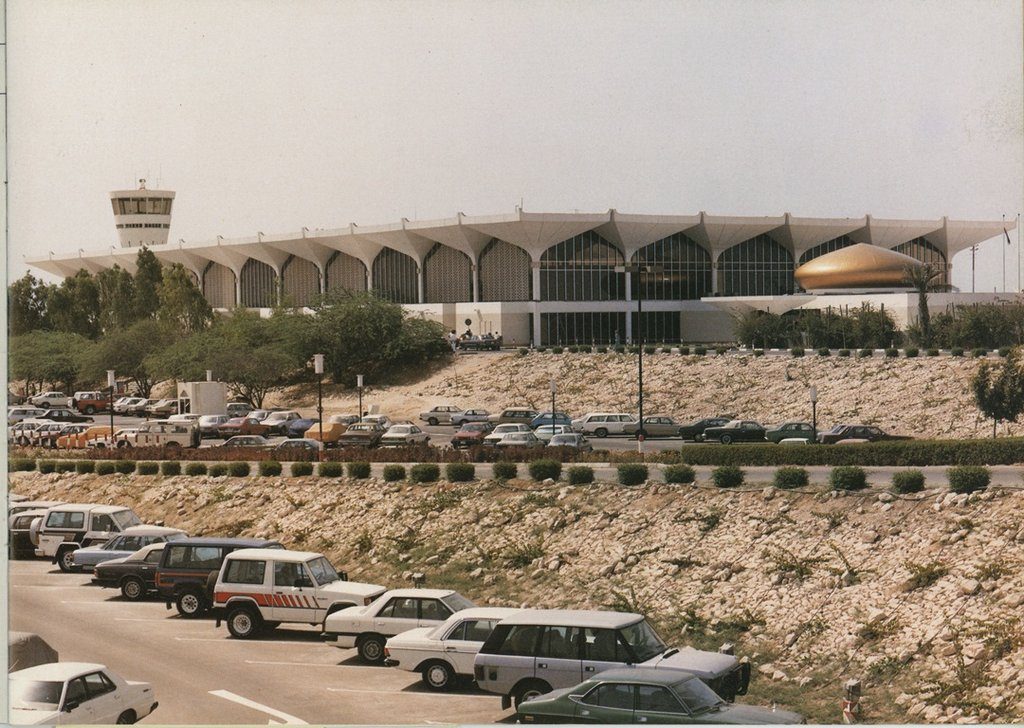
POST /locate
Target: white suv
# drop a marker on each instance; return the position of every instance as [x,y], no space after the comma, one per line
[603,424]
[71,526]
[50,399]
[261,588]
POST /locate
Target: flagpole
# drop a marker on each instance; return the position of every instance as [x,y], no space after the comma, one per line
[1004,252]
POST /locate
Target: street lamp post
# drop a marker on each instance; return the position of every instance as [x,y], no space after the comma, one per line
[554,387]
[318,367]
[359,388]
[111,382]
[814,412]
[639,338]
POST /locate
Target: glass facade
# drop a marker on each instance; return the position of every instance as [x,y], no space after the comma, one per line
[345,273]
[142,205]
[258,284]
[659,327]
[685,274]
[505,273]
[827,247]
[447,276]
[300,282]
[582,268]
[219,285]
[920,249]
[396,277]
[582,328]
[756,267]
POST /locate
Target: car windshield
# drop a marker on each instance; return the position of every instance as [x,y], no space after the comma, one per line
[360,428]
[697,696]
[562,439]
[474,428]
[322,571]
[35,694]
[457,602]
[644,640]
[125,518]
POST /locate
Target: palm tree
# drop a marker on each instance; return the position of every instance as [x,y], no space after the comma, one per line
[922,279]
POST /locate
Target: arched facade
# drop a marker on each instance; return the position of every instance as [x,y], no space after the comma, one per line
[920,249]
[685,270]
[300,282]
[259,284]
[447,276]
[396,276]
[756,267]
[345,273]
[821,249]
[219,285]
[582,268]
[505,273]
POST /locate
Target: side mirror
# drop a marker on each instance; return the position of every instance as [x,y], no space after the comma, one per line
[576,698]
[70,705]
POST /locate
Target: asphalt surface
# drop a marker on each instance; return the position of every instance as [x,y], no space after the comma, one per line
[201,675]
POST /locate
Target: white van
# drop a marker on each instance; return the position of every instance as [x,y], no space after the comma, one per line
[603,424]
[162,433]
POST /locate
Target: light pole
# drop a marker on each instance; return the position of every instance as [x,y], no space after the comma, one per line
[111,382]
[814,412]
[639,337]
[359,388]
[318,368]
[554,388]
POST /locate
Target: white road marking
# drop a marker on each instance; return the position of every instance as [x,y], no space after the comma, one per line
[405,692]
[297,664]
[288,719]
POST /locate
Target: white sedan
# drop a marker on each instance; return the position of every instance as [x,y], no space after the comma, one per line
[444,653]
[404,435]
[78,693]
[501,430]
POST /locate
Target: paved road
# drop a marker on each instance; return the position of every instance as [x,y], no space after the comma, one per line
[201,675]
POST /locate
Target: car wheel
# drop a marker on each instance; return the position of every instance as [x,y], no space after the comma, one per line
[90,409]
[530,690]
[432,422]
[23,441]
[126,718]
[600,432]
[189,603]
[173,445]
[438,675]
[123,444]
[66,561]
[133,589]
[243,622]
[726,439]
[371,648]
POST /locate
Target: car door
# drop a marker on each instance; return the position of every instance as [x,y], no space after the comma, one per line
[106,701]
[602,649]
[657,704]
[607,703]
[558,656]
[462,643]
[432,612]
[147,568]
[294,593]
[398,615]
[76,697]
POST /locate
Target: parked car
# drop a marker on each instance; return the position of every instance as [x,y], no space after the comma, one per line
[536,651]
[298,428]
[735,431]
[695,430]
[246,441]
[519,439]
[295,445]
[243,426]
[126,405]
[382,420]
[134,575]
[25,433]
[162,433]
[162,408]
[367,628]
[344,419]
[185,417]
[69,434]
[90,402]
[470,415]
[603,424]
[261,588]
[262,414]
[63,414]
[645,695]
[361,434]
[444,654]
[487,342]
[209,425]
[76,693]
[471,433]
[546,432]
[71,526]
[500,431]
[121,435]
[50,399]
[791,430]
[440,415]
[87,435]
[186,565]
[514,415]
[19,528]
[571,439]
[546,418]
[46,433]
[867,433]
[17,414]
[278,421]
[332,429]
[127,543]
[237,409]
[404,435]
[140,409]
[654,426]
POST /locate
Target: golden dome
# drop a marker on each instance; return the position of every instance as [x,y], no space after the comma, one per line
[856,266]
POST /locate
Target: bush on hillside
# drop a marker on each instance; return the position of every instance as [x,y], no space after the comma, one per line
[104,467]
[21,465]
[393,473]
[790,476]
[727,476]
[460,472]
[239,469]
[194,469]
[680,473]
[65,466]
[218,470]
[424,473]
[848,477]
[330,470]
[170,468]
[907,481]
[270,468]
[301,469]
[125,467]
[544,469]
[358,470]
[505,471]
[968,478]
[579,475]
[85,466]
[632,473]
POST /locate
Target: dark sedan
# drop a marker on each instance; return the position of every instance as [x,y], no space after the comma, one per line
[472,433]
[63,414]
[361,434]
[243,426]
[134,575]
[695,430]
[736,431]
[792,431]
[857,432]
[297,428]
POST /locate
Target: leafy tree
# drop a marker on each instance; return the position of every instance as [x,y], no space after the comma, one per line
[26,305]
[131,352]
[922,279]
[182,304]
[1000,394]
[73,306]
[116,299]
[148,277]
[43,358]
[984,325]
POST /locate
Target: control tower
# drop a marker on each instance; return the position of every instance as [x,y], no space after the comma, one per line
[143,217]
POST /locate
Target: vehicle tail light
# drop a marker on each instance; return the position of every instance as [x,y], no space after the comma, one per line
[478,672]
[387,652]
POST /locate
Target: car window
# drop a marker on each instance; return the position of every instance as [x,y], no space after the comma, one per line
[65,519]
[125,518]
[153,557]
[400,608]
[241,571]
[131,543]
[287,572]
[521,640]
[603,645]
[97,684]
[874,431]
[434,609]
[657,699]
[114,544]
[559,643]
[611,695]
[76,691]
[474,630]
[194,557]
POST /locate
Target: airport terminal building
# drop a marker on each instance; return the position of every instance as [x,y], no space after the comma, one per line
[552,278]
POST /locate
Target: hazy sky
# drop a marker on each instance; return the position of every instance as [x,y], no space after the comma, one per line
[271,116]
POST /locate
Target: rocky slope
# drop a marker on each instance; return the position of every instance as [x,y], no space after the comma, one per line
[919,598]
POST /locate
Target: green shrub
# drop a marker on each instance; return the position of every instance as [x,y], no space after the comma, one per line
[394,473]
[195,468]
[505,471]
[125,467]
[848,477]
[239,469]
[301,470]
[632,473]
[910,353]
[679,474]
[147,468]
[797,351]
[684,350]
[790,476]
[218,470]
[580,475]
[633,349]
[968,478]
[933,352]
[46,466]
[544,469]
[424,473]
[700,350]
[270,468]
[892,353]
[844,352]
[556,350]
[1004,352]
[65,466]
[460,472]
[330,470]
[170,468]
[602,350]
[758,352]
[21,465]
[865,353]
[908,481]
[727,476]
[650,349]
[104,467]
[523,351]
[620,349]
[824,351]
[573,349]
[721,350]
[540,349]
[358,470]
[979,352]
[85,466]
[956,351]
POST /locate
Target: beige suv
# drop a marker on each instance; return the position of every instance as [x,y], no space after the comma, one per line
[603,424]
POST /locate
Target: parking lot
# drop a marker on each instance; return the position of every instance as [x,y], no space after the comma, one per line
[200,675]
